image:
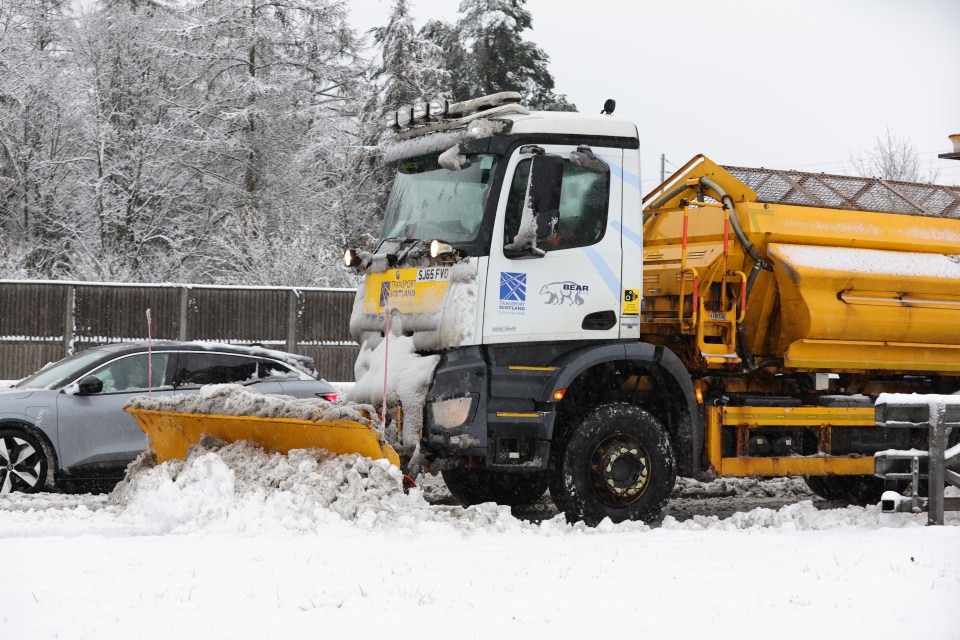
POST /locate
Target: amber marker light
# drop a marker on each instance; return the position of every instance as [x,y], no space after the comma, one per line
[558,394]
[699,396]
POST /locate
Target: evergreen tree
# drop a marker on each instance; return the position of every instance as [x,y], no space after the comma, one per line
[486,53]
[412,65]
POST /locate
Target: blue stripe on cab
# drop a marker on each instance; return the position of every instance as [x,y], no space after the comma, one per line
[629,234]
[609,277]
[628,178]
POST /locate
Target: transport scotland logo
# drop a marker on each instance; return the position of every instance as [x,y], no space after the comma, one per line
[384,294]
[513,292]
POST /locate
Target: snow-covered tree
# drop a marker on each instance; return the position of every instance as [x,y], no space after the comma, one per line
[144,207]
[37,132]
[411,65]
[409,69]
[486,53]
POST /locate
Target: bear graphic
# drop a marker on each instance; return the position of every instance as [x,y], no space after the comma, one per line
[559,292]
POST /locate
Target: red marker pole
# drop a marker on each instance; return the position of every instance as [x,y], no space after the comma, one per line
[386,360]
[149,356]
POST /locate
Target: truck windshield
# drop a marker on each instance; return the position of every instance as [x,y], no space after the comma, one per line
[428,201]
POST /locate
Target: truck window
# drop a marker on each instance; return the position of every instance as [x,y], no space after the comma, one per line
[583,207]
[428,201]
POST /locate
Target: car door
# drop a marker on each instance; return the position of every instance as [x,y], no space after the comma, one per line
[94,431]
[572,291]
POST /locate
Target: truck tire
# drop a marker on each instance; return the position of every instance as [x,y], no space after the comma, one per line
[476,486]
[616,463]
[24,462]
[859,490]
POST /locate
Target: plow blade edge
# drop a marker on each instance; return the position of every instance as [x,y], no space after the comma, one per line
[172,434]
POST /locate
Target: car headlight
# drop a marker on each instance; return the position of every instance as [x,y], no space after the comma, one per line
[452,413]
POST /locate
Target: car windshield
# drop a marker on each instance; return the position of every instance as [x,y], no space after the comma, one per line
[428,201]
[51,376]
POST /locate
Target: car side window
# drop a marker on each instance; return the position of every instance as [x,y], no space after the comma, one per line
[202,367]
[583,207]
[129,373]
[276,370]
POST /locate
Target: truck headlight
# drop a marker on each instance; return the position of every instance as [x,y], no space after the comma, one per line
[452,413]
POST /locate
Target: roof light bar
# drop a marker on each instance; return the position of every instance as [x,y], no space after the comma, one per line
[424,112]
[405,117]
[437,108]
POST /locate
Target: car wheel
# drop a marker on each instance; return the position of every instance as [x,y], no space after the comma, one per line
[24,462]
[475,486]
[617,463]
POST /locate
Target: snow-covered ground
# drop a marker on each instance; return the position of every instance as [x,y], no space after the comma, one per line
[237,543]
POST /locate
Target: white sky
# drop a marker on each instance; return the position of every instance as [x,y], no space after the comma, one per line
[785,85]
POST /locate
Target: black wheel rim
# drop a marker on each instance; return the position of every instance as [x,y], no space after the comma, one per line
[21,465]
[620,470]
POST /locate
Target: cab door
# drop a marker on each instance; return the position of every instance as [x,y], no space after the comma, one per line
[572,291]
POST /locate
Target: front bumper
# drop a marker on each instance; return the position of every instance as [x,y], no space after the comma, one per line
[509,431]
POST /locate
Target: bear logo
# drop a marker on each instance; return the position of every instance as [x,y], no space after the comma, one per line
[568,292]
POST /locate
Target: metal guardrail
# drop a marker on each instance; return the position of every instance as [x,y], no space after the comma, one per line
[938,465]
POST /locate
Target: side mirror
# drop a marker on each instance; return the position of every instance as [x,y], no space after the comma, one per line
[454,158]
[584,158]
[90,385]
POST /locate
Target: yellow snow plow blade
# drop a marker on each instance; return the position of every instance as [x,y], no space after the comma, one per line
[172,434]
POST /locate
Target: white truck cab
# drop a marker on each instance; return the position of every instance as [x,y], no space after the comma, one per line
[509,271]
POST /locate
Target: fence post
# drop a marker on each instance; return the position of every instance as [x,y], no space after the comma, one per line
[68,320]
[184,302]
[936,462]
[292,309]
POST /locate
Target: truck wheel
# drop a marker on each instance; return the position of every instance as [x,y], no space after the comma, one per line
[616,463]
[24,462]
[475,486]
[861,490]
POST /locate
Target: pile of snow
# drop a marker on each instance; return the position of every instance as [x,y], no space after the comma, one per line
[241,489]
[238,400]
[406,380]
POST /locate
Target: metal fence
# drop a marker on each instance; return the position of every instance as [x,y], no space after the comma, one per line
[42,322]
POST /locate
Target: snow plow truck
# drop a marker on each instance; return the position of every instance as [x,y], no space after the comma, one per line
[530,320]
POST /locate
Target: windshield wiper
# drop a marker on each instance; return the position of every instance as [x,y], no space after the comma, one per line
[406,245]
[400,239]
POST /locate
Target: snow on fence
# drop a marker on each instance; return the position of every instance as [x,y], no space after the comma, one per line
[44,321]
[939,465]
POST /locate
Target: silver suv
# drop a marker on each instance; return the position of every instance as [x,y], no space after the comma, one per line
[65,426]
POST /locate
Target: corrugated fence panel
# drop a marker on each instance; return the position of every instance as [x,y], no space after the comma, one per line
[33,316]
[20,359]
[120,312]
[239,315]
[32,310]
[324,316]
[333,363]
